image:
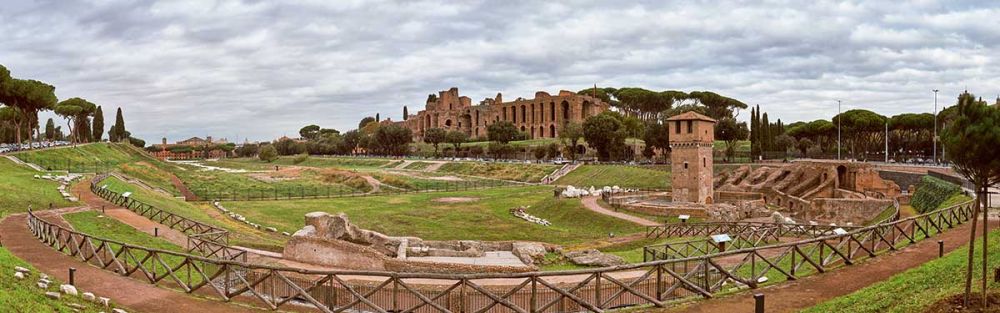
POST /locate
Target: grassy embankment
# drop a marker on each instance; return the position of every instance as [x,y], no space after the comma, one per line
[916,289]
[203,212]
[101,157]
[20,189]
[426,215]
[616,175]
[521,172]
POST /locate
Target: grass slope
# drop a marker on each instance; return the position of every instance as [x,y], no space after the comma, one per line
[917,288]
[507,171]
[240,233]
[616,175]
[25,296]
[123,158]
[420,215]
[19,189]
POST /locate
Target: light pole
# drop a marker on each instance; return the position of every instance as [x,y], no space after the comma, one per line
[935,126]
[838,129]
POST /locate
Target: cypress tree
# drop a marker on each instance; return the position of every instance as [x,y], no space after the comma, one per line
[406,114]
[765,134]
[50,130]
[98,124]
[117,132]
[754,129]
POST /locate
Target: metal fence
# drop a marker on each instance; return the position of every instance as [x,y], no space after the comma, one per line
[595,290]
[317,192]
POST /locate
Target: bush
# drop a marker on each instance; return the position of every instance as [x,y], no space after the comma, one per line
[300,158]
[268,153]
[931,192]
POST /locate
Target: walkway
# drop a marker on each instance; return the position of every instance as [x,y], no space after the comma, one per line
[134,294]
[806,292]
[591,203]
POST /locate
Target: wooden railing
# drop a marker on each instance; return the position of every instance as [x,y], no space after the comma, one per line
[203,239]
[595,290]
[706,246]
[703,229]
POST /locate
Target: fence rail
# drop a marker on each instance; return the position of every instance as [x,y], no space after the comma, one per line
[705,229]
[595,290]
[202,238]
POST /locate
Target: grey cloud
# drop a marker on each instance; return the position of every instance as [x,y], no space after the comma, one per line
[262,69]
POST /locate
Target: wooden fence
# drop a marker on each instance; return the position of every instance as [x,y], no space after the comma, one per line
[596,290]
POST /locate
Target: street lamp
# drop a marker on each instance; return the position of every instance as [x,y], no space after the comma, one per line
[838,129]
[935,126]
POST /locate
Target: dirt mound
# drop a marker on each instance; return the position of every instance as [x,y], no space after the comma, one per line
[455,199]
[287,173]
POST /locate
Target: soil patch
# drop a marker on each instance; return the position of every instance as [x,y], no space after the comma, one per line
[455,199]
[287,173]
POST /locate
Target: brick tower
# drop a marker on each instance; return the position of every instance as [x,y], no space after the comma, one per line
[691,138]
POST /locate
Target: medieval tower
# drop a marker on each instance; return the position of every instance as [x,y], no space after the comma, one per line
[691,138]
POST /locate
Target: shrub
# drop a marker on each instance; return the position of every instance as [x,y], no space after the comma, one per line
[268,153]
[300,158]
[931,192]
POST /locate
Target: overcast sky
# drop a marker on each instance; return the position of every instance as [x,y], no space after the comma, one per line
[263,69]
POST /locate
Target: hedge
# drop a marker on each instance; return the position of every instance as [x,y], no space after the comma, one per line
[931,192]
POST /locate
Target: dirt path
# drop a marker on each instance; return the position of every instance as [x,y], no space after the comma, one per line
[434,166]
[809,291]
[591,204]
[139,222]
[188,195]
[136,295]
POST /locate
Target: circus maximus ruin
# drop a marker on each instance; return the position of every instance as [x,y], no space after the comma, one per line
[541,117]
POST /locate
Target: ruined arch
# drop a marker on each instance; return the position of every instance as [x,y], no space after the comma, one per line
[552,131]
[565,110]
[587,109]
[513,114]
[541,131]
[532,113]
[523,114]
[552,111]
[447,123]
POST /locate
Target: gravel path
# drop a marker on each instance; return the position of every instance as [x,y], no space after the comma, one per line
[591,204]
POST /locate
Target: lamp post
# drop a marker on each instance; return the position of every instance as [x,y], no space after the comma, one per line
[838,129]
[935,126]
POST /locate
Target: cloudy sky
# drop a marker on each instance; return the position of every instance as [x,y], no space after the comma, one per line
[262,69]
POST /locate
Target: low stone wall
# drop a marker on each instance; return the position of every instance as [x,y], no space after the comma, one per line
[334,253]
[842,211]
[903,179]
[734,196]
[667,211]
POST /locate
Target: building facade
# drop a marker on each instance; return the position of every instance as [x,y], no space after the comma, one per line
[692,136]
[541,117]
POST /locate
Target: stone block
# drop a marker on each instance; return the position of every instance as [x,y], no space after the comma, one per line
[68,289]
[529,252]
[53,295]
[19,275]
[87,296]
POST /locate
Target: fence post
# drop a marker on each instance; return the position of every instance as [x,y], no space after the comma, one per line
[940,248]
[72,276]
[758,300]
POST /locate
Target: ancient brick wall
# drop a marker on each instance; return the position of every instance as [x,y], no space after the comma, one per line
[541,117]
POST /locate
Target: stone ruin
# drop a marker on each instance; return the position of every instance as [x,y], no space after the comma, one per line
[827,191]
[332,240]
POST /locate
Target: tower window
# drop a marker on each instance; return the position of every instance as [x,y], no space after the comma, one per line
[690,128]
[677,127]
[704,162]
[685,165]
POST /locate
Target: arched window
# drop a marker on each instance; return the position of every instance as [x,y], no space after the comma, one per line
[541,131]
[565,108]
[513,114]
[552,131]
[552,111]
[523,114]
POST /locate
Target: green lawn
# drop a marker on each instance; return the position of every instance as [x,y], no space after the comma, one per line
[418,165]
[312,161]
[313,181]
[917,288]
[522,172]
[24,296]
[420,215]
[616,175]
[240,234]
[19,189]
[95,224]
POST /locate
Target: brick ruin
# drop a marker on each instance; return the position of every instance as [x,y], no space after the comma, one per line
[692,137]
[540,117]
[824,191]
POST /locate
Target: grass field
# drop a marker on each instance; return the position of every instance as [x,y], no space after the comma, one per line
[240,234]
[421,215]
[25,296]
[917,288]
[418,165]
[312,161]
[19,189]
[522,172]
[616,175]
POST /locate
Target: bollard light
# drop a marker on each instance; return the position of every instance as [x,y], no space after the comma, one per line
[72,274]
[940,248]
[156,232]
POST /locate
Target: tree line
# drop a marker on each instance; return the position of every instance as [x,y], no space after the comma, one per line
[23,99]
